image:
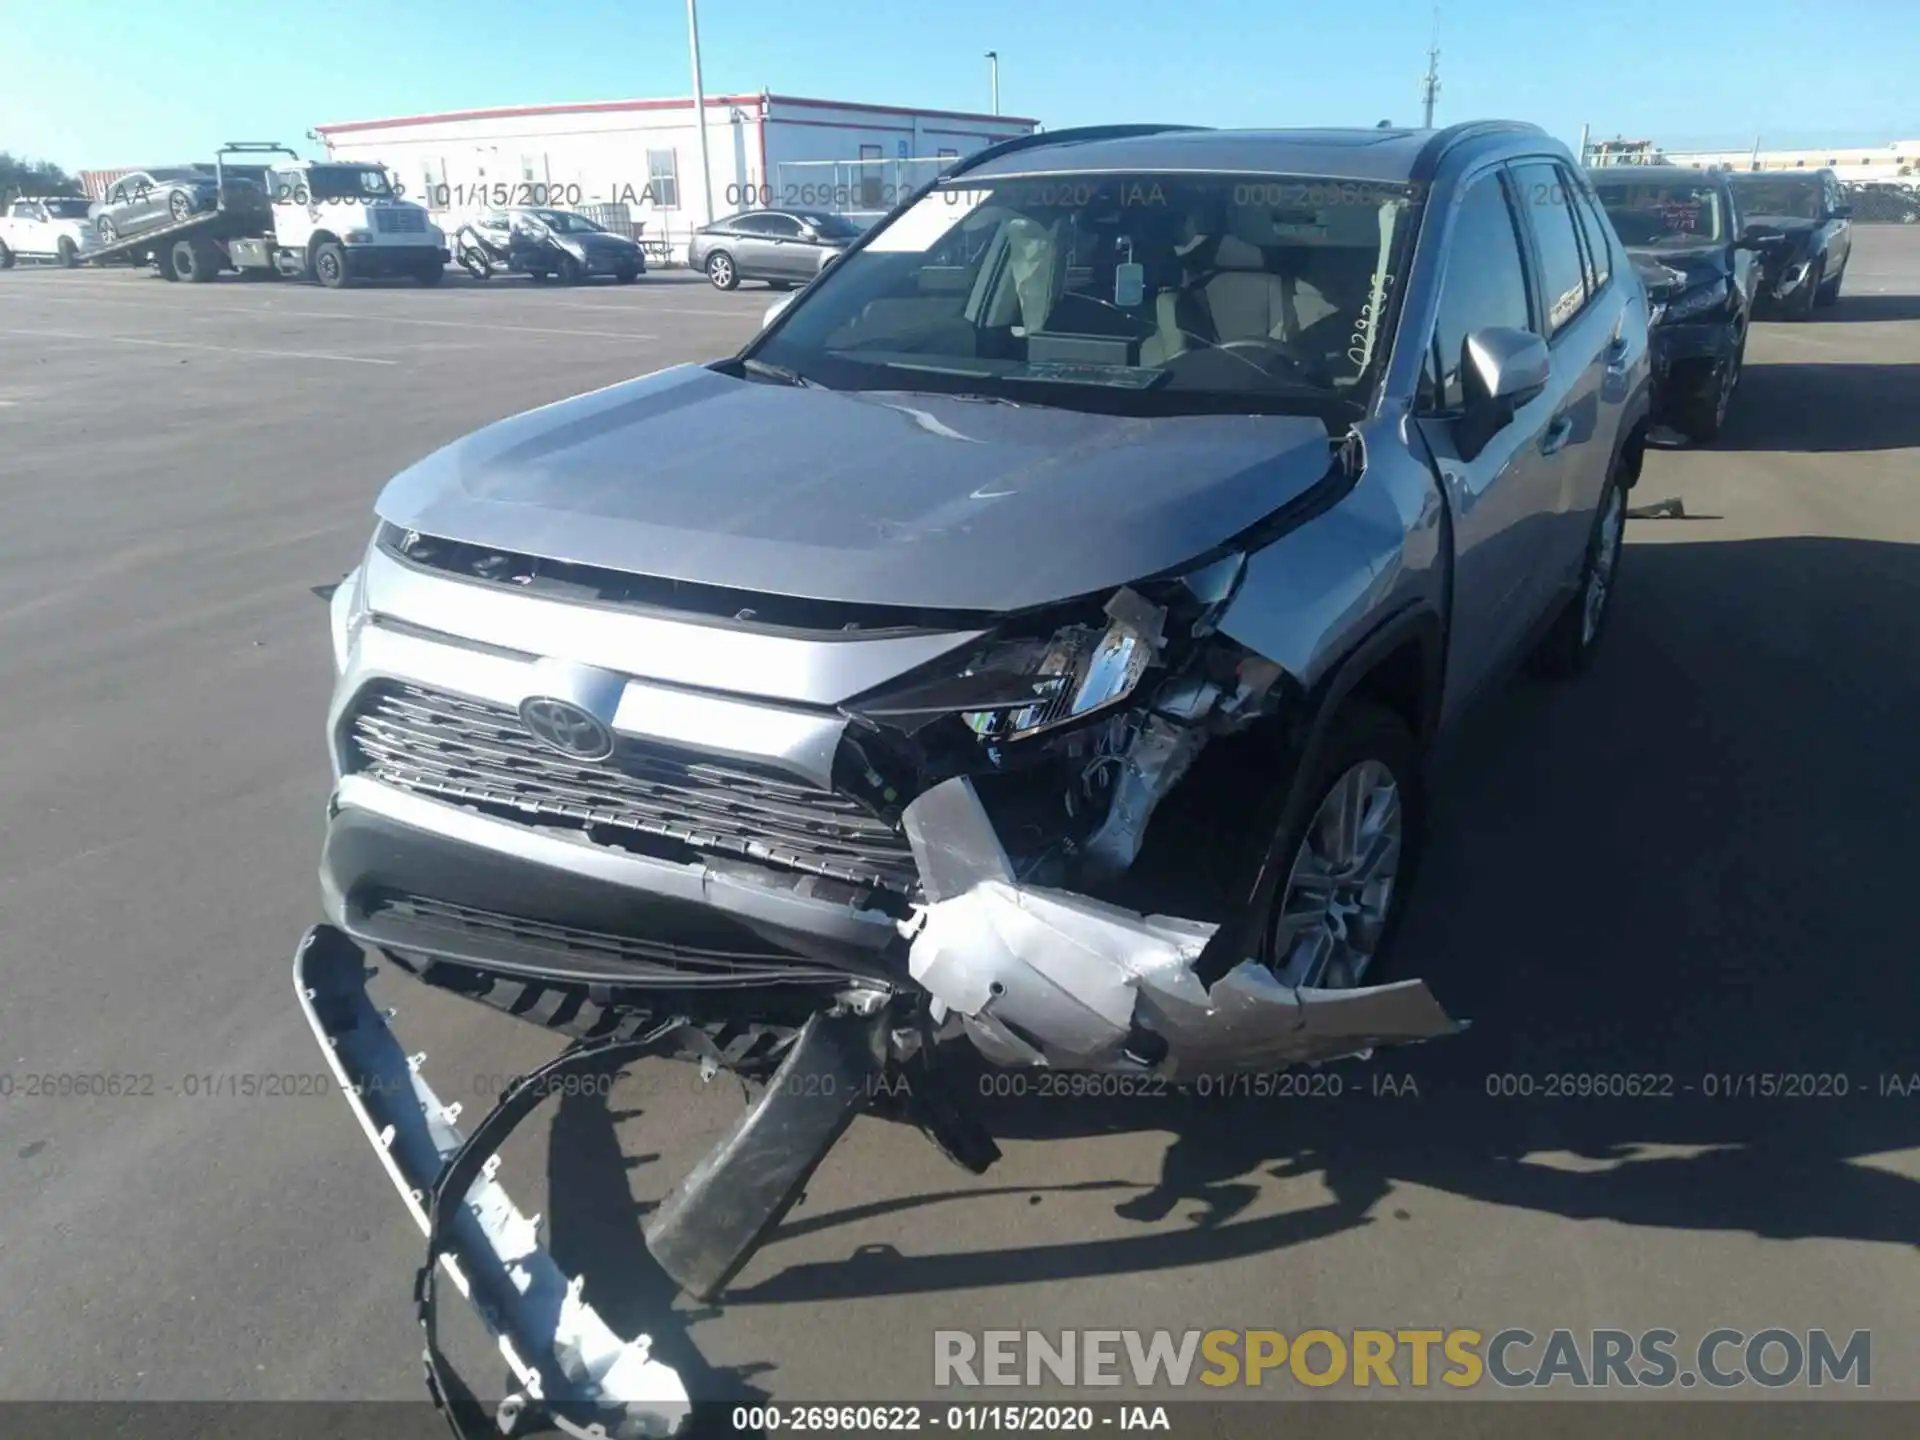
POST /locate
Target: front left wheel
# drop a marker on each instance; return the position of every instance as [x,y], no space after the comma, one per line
[1353,850]
[6,256]
[430,272]
[330,264]
[67,253]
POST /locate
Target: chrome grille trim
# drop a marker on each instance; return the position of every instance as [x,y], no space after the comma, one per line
[475,752]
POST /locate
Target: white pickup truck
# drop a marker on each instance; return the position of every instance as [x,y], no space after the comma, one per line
[45,227]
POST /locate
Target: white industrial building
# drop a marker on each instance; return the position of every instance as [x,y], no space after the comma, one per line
[1897,161]
[762,149]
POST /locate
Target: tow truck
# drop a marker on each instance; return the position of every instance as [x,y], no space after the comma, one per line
[325,221]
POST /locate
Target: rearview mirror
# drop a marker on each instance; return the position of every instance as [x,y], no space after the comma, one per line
[1506,367]
[1511,365]
[773,310]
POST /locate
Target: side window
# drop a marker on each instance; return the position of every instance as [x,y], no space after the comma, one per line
[782,227]
[19,210]
[1485,284]
[1545,199]
[1595,229]
[752,225]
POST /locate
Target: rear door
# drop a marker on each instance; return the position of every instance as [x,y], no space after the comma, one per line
[790,256]
[1492,495]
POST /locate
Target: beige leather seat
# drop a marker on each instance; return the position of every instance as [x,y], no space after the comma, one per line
[1240,300]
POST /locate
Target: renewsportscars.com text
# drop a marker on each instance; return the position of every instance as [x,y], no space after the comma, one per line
[1459,1359]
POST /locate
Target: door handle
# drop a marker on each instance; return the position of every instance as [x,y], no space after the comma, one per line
[1559,431]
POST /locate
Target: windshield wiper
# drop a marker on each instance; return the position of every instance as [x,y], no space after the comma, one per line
[782,373]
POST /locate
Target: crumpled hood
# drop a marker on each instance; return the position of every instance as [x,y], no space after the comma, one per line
[1697,265]
[893,499]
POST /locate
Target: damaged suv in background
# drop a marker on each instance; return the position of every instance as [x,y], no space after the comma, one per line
[1032,642]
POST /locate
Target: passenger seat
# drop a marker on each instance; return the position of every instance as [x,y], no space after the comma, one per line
[1240,300]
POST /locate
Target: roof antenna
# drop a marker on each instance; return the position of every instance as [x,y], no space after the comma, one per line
[1430,85]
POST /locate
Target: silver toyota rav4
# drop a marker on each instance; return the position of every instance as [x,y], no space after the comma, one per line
[1036,636]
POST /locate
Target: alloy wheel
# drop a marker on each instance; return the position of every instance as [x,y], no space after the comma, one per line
[1339,892]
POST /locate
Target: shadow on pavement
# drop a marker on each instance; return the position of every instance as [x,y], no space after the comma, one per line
[1824,408]
[1875,307]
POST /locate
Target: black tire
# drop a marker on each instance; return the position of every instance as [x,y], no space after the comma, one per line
[627,275]
[163,264]
[722,271]
[1568,648]
[1361,733]
[431,272]
[1701,414]
[1829,293]
[180,207]
[329,265]
[195,260]
[476,264]
[67,253]
[6,256]
[571,271]
[106,230]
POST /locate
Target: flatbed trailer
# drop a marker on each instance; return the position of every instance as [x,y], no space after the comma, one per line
[281,230]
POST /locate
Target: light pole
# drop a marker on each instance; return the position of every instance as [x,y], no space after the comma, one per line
[993,64]
[700,114]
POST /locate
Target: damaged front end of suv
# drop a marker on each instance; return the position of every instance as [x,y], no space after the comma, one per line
[959,711]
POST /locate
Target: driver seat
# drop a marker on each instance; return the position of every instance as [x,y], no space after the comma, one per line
[1239,300]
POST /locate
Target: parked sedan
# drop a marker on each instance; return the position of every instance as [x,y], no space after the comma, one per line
[782,247]
[1701,277]
[1805,267]
[148,199]
[543,243]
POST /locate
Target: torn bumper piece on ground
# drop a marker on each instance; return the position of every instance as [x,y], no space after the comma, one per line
[563,1356]
[1041,976]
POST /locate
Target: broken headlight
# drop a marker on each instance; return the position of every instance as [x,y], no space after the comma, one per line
[1017,687]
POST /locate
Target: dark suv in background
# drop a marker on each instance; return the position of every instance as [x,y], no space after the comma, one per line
[1701,275]
[1812,217]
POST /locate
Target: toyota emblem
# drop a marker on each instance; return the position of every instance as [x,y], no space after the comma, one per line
[563,726]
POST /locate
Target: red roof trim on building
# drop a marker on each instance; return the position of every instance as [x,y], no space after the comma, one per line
[602,107]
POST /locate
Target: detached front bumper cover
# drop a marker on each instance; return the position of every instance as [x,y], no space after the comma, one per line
[568,1362]
[1046,977]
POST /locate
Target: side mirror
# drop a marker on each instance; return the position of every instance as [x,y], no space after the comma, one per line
[773,310]
[1841,212]
[1506,368]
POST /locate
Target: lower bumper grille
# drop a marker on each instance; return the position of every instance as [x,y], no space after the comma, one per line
[651,961]
[477,753]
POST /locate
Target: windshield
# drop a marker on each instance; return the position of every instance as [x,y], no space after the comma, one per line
[1794,198]
[181,173]
[565,222]
[348,182]
[67,209]
[1131,293]
[1663,215]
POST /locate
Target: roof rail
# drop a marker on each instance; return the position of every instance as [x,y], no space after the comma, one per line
[1074,136]
[1441,141]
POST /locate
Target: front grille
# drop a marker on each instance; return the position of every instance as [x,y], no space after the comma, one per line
[400,222]
[476,753]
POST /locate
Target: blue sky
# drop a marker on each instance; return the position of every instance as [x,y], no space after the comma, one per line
[92,84]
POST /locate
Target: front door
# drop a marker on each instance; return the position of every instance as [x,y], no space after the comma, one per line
[1495,495]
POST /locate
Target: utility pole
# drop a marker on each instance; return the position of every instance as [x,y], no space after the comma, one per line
[1430,86]
[993,64]
[700,114]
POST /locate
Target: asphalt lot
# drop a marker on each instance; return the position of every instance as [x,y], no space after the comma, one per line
[1692,863]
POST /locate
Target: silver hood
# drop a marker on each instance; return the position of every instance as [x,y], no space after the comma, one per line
[863,498]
